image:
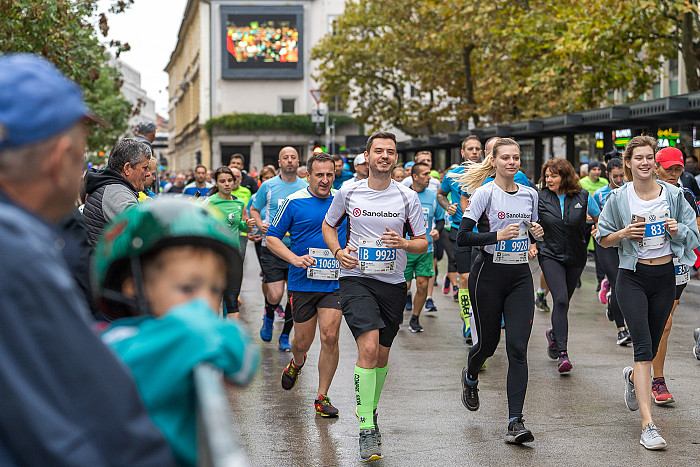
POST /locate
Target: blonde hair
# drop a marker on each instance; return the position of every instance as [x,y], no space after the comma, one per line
[636,142]
[477,172]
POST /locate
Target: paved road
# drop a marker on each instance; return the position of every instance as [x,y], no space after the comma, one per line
[579,419]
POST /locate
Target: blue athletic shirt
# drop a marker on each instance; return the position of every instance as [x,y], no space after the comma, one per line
[270,196]
[601,196]
[193,189]
[302,216]
[431,211]
[593,209]
[520,178]
[451,186]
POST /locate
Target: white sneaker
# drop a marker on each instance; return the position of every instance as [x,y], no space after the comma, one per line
[630,395]
[651,439]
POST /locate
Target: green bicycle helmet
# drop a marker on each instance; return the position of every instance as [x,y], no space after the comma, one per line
[148,228]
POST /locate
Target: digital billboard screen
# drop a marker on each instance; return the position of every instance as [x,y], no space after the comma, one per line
[262,43]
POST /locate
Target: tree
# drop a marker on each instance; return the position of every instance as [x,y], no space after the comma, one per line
[60,30]
[431,66]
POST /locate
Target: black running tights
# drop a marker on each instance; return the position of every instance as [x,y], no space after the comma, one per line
[502,290]
[561,280]
[610,261]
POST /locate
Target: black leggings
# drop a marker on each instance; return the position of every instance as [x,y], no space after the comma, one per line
[561,280]
[502,290]
[646,298]
[610,261]
[447,246]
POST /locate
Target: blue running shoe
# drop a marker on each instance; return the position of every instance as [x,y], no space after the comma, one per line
[284,343]
[468,335]
[266,329]
[503,322]
[409,301]
[430,305]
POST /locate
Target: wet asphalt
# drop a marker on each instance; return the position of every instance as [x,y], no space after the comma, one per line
[577,419]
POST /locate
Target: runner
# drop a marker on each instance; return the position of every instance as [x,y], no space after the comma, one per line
[608,257]
[372,285]
[421,266]
[313,277]
[669,167]
[471,151]
[238,221]
[501,283]
[562,209]
[651,222]
[269,197]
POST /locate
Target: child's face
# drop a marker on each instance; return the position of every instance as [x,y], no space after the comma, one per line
[180,274]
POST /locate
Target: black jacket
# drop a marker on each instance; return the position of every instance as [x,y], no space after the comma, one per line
[250,183]
[99,209]
[564,239]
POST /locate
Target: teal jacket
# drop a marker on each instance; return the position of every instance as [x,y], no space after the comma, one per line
[616,215]
[161,354]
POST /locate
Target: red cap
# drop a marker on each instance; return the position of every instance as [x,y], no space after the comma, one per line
[668,157]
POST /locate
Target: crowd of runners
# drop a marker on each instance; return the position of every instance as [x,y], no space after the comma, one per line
[167,254]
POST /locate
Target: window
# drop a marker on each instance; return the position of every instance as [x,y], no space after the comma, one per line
[336,104]
[656,90]
[673,77]
[288,106]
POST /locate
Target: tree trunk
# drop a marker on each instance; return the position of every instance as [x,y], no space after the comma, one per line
[691,63]
[469,81]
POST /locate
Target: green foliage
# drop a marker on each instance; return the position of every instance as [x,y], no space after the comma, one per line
[294,123]
[431,66]
[60,30]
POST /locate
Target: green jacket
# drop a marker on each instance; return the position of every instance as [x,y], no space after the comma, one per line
[233,212]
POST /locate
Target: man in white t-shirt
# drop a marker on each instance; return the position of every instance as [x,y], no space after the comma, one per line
[425,157]
[386,221]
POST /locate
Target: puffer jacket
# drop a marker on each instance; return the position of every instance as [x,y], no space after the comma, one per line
[108,193]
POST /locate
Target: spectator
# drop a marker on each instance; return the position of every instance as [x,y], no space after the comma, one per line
[65,398]
[116,187]
[200,184]
[178,185]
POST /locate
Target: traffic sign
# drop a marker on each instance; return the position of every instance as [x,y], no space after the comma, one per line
[317,94]
[318,116]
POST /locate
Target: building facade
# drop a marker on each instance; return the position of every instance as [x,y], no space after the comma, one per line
[132,92]
[246,57]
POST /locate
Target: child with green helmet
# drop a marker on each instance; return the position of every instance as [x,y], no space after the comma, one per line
[160,271]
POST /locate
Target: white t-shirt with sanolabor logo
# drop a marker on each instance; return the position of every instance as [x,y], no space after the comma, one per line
[494,209]
[369,213]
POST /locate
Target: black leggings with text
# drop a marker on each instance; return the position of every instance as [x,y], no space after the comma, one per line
[502,290]
[561,280]
[646,297]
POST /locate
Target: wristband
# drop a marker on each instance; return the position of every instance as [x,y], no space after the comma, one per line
[336,252]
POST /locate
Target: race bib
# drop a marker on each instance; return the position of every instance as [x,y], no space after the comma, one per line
[375,257]
[512,251]
[325,268]
[426,217]
[655,230]
[682,272]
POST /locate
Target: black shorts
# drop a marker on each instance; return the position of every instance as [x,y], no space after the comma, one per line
[305,305]
[274,268]
[679,291]
[370,304]
[462,254]
[447,246]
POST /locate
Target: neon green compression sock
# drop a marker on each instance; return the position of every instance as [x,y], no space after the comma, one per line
[365,384]
[464,304]
[381,377]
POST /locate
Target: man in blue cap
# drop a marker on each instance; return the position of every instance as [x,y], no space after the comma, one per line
[65,398]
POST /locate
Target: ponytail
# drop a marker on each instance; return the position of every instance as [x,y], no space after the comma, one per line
[475,174]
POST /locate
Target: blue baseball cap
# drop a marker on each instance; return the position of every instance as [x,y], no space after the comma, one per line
[36,101]
[409,164]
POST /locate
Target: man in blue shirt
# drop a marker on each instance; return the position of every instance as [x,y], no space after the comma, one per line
[341,173]
[269,198]
[200,184]
[421,266]
[66,400]
[313,276]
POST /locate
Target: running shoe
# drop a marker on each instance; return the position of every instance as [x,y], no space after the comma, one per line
[623,337]
[517,433]
[696,349]
[409,301]
[446,286]
[414,325]
[284,343]
[468,335]
[455,293]
[660,393]
[470,394]
[430,305]
[324,407]
[291,373]
[541,302]
[369,448]
[604,289]
[266,329]
[630,395]
[376,425]
[651,438]
[565,365]
[552,350]
[503,322]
